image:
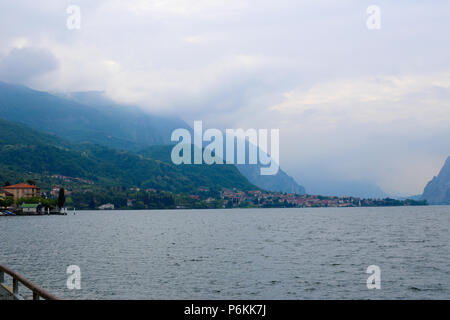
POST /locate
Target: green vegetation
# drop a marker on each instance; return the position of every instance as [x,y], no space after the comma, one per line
[388,202]
[26,154]
[46,203]
[92,117]
[142,199]
[61,198]
[88,116]
[6,202]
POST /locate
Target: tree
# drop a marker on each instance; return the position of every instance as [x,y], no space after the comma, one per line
[28,200]
[6,202]
[31,182]
[61,198]
[48,203]
[7,184]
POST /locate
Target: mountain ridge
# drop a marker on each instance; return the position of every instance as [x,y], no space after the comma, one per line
[93,117]
[78,122]
[437,190]
[26,150]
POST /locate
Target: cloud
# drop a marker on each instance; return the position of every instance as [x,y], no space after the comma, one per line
[349,102]
[382,99]
[21,65]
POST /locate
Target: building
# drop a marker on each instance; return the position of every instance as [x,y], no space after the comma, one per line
[31,208]
[107,206]
[55,191]
[210,200]
[23,190]
[4,194]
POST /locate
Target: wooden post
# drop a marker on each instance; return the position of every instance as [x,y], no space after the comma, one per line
[15,286]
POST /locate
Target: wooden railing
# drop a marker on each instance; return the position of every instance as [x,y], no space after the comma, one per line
[16,279]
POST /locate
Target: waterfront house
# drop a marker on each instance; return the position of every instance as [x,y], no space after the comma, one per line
[23,190]
[31,208]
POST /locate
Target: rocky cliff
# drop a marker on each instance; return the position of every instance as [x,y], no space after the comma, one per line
[437,190]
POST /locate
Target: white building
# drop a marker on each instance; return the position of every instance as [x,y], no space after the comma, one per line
[107,206]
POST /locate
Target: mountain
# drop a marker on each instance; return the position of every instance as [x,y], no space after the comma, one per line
[104,122]
[416,197]
[437,191]
[342,188]
[280,182]
[24,151]
[92,117]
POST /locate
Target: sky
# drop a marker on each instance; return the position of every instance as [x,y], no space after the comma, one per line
[353,104]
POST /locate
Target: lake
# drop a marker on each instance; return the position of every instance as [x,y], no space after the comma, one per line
[317,253]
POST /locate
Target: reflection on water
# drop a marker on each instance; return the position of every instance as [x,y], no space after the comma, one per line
[318,253]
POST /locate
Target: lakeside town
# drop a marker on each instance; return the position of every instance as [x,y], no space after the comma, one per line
[28,198]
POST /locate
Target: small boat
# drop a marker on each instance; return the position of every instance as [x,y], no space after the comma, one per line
[8,213]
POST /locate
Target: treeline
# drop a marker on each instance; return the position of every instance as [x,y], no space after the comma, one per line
[388,202]
[126,199]
[46,203]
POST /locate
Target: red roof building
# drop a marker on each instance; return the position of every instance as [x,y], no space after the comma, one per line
[23,190]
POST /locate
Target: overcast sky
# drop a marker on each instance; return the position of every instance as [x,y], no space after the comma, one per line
[351,103]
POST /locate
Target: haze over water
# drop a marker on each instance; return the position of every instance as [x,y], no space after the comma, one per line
[318,253]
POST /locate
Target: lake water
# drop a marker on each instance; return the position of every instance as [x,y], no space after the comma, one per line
[318,253]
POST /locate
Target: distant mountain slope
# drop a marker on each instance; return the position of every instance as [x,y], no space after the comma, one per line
[437,191]
[280,182]
[23,149]
[92,117]
[342,188]
[104,122]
